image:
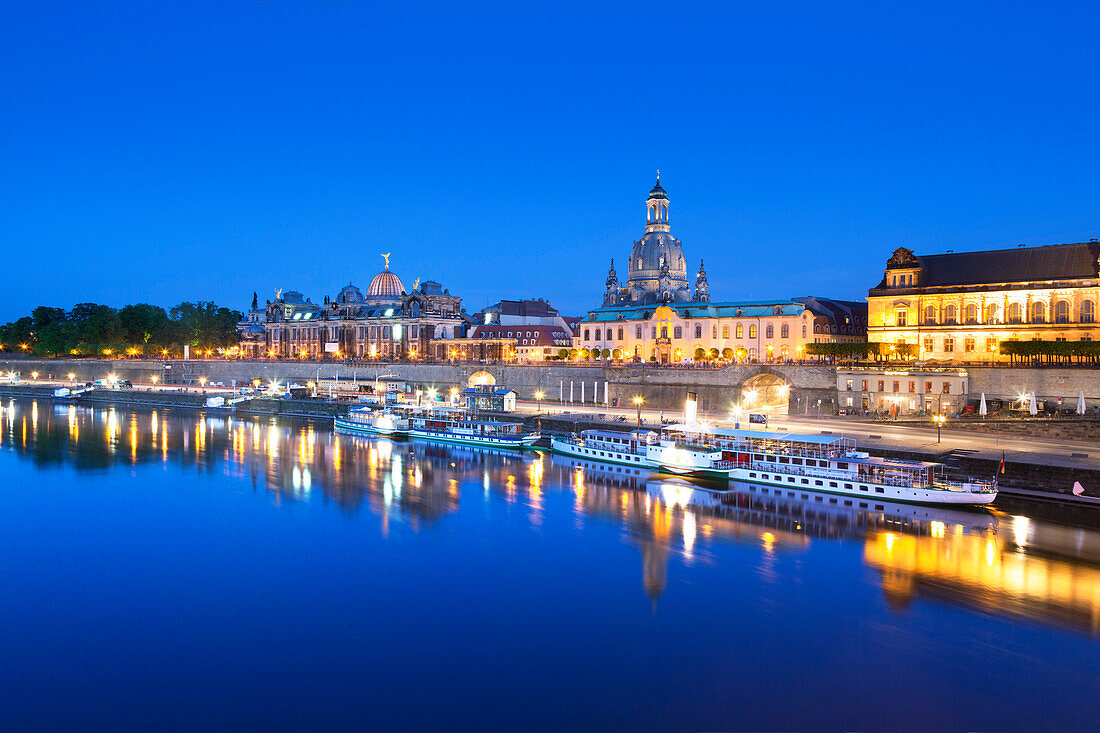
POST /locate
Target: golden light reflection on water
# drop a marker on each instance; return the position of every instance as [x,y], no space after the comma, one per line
[1016,565]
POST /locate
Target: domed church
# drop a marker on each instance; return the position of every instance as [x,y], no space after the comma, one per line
[654,316]
[657,271]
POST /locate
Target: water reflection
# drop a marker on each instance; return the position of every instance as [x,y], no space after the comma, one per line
[1014,566]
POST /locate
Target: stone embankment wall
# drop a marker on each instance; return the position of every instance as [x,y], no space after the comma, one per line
[662,388]
[1006,383]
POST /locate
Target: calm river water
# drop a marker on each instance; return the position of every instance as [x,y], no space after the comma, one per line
[161,569]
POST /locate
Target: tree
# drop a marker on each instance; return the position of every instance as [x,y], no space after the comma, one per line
[205,324]
[563,353]
[142,323]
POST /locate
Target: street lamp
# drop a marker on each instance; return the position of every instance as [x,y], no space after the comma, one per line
[154,378]
[202,381]
[72,377]
[34,375]
[939,420]
[538,398]
[638,400]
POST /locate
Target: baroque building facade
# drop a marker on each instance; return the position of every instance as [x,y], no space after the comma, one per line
[387,321]
[963,306]
[655,316]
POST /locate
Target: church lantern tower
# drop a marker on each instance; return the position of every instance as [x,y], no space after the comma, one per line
[702,288]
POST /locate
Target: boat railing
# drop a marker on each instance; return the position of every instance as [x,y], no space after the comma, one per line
[831,473]
[970,486]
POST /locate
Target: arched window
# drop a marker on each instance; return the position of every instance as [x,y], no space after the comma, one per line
[971,313]
[609,335]
[677,332]
[784,331]
[1015,313]
[698,331]
[991,314]
[1088,312]
[664,332]
[769,331]
[929,315]
[949,315]
[1038,312]
[1061,311]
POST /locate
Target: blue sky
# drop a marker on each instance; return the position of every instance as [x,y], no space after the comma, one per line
[168,151]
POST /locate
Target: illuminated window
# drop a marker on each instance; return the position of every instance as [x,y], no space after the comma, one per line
[752,331]
[1088,312]
[1061,311]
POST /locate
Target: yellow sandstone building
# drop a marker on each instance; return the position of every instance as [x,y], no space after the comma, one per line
[963,306]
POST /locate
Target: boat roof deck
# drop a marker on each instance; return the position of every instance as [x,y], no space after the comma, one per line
[635,434]
[758,434]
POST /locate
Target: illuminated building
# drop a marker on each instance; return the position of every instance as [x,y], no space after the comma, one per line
[386,322]
[655,316]
[962,306]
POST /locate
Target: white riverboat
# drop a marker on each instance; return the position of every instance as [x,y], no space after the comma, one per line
[609,446]
[368,421]
[817,462]
[457,425]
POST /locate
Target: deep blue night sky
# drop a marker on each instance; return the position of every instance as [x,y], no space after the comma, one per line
[161,152]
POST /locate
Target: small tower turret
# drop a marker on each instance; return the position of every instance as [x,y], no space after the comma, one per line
[702,289]
[611,293]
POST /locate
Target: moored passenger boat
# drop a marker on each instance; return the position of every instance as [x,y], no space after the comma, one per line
[367,421]
[609,446]
[457,425]
[818,462]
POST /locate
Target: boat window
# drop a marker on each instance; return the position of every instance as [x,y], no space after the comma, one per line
[752,475]
[832,484]
[783,459]
[796,461]
[810,463]
[805,481]
[842,466]
[819,483]
[847,486]
[862,488]
[880,490]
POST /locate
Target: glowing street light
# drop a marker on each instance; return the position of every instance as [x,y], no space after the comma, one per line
[107,352]
[638,400]
[538,398]
[72,377]
[202,381]
[24,347]
[34,375]
[939,420]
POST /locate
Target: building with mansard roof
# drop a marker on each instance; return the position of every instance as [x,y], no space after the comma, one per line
[962,306]
[385,322]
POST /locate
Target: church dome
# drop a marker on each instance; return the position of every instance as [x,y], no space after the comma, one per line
[385,286]
[657,192]
[652,251]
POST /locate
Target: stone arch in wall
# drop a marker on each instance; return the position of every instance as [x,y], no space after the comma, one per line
[480,378]
[765,390]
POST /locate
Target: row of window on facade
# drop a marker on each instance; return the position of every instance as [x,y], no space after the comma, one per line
[913,384]
[677,332]
[313,334]
[970,343]
[1014,314]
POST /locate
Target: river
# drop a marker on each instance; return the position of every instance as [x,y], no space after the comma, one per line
[175,570]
